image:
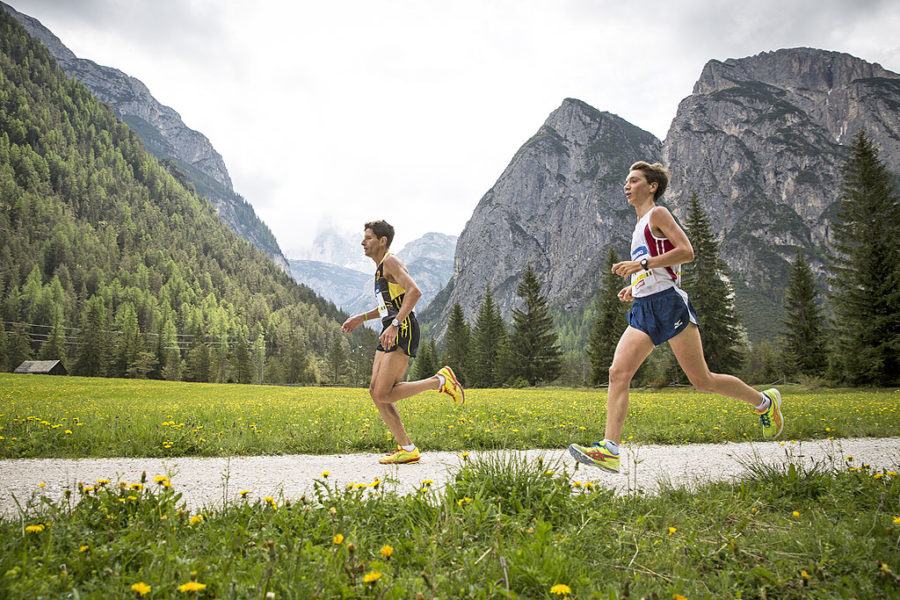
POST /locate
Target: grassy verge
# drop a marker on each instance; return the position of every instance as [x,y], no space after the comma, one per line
[45,416]
[503,528]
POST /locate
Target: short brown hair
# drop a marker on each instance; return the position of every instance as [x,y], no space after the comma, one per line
[381,229]
[655,173]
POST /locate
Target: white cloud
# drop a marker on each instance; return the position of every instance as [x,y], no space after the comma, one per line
[408,110]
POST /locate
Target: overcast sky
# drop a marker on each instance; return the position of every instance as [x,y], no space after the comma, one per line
[332,113]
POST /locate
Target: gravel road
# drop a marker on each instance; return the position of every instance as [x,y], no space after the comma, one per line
[206,482]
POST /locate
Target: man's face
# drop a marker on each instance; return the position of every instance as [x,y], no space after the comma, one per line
[637,189]
[371,244]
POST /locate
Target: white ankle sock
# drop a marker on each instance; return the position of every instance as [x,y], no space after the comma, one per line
[442,379]
[611,446]
[409,448]
[764,404]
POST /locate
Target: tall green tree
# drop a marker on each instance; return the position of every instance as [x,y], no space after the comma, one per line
[712,296]
[457,345]
[533,344]
[865,265]
[804,347]
[337,361]
[18,345]
[426,363]
[54,347]
[297,362]
[93,345]
[243,366]
[488,339]
[609,325]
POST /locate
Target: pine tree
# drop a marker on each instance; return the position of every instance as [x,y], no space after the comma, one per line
[609,325]
[337,361]
[424,365]
[865,265]
[488,338]
[456,346]
[54,347]
[18,345]
[804,342]
[243,367]
[711,294]
[297,367]
[93,344]
[533,344]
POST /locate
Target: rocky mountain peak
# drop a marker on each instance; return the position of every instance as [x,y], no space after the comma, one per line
[556,207]
[795,69]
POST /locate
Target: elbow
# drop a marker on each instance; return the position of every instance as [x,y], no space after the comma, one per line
[688,255]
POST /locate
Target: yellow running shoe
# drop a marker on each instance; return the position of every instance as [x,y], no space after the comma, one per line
[451,386]
[597,455]
[400,457]
[771,419]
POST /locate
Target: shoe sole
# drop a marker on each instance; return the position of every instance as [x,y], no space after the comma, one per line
[404,462]
[462,392]
[587,460]
[777,401]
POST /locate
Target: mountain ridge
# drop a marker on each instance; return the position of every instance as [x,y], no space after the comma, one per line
[164,134]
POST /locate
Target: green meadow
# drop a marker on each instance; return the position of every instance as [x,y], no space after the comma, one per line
[46,416]
[502,528]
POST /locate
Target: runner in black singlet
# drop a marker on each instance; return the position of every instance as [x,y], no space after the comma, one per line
[396,295]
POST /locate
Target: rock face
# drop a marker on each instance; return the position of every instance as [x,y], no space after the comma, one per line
[165,135]
[429,260]
[762,140]
[557,206]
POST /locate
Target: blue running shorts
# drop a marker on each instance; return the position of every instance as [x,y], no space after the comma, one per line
[662,315]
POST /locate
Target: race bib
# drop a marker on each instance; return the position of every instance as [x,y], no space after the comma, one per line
[379,298]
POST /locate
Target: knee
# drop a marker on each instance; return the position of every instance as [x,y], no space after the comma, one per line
[703,383]
[619,375]
[379,396]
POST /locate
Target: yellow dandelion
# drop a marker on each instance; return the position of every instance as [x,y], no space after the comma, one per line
[161,479]
[40,485]
[795,514]
[896,520]
[561,589]
[196,519]
[84,548]
[137,486]
[372,577]
[191,586]
[244,493]
[386,551]
[338,539]
[672,530]
[102,482]
[325,474]
[140,588]
[804,575]
[678,597]
[878,475]
[35,528]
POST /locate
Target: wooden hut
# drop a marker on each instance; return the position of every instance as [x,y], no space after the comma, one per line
[42,367]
